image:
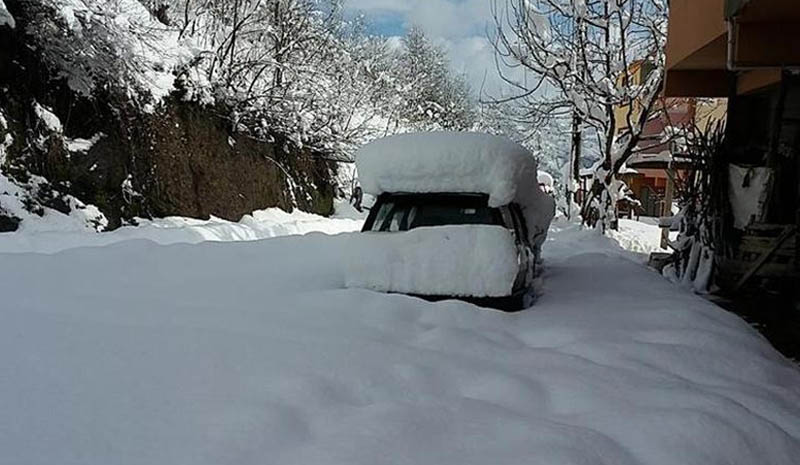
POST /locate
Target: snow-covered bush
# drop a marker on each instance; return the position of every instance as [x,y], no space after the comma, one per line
[599,63]
[702,196]
[300,69]
[99,45]
[295,69]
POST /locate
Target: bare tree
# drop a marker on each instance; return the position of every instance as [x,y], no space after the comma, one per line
[599,62]
[295,70]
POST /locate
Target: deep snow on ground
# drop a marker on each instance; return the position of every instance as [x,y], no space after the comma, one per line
[642,237]
[253,352]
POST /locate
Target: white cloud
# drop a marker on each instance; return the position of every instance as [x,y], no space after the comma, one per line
[458,24]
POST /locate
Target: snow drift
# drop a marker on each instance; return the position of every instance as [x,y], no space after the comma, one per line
[458,162]
[253,353]
[55,232]
[463,261]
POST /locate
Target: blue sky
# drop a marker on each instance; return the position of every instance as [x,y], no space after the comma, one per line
[387,24]
[458,25]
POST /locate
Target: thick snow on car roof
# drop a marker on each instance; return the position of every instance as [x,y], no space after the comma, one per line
[438,162]
[458,162]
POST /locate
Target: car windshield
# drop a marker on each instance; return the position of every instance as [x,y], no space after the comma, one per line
[402,213]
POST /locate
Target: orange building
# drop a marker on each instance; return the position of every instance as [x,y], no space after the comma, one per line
[651,171]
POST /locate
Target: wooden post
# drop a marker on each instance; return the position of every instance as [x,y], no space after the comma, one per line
[667,210]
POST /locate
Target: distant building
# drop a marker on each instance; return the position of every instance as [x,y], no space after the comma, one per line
[652,170]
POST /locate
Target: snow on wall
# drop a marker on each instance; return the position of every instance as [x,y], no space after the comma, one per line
[47,117]
[458,162]
[7,140]
[476,261]
[5,17]
[14,198]
[82,145]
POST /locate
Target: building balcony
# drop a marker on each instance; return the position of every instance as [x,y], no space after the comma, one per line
[709,38]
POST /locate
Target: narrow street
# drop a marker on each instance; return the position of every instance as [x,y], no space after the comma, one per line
[239,351]
[399,232]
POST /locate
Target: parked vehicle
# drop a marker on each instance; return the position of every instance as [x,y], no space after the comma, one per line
[473,211]
[404,212]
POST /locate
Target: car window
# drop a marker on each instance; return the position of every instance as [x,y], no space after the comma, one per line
[392,217]
[396,219]
[404,212]
[444,214]
[383,213]
[412,215]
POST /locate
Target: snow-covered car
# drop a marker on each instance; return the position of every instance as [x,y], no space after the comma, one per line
[457,215]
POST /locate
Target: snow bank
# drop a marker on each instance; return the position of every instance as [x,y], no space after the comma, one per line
[57,232]
[474,261]
[458,162]
[254,352]
[642,237]
[634,241]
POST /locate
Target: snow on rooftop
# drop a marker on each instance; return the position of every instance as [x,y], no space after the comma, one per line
[665,156]
[438,162]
